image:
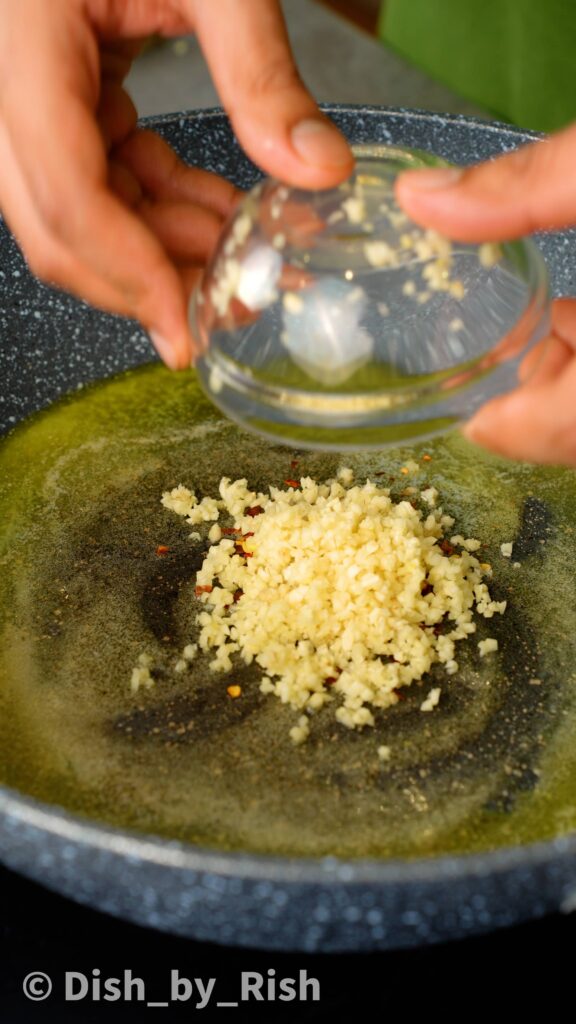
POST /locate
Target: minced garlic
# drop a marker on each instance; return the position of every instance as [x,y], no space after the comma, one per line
[489,254]
[487,646]
[432,700]
[141,676]
[337,592]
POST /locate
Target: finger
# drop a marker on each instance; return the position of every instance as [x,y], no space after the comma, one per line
[564,320]
[46,258]
[545,362]
[63,271]
[275,117]
[548,358]
[136,277]
[190,276]
[136,19]
[138,270]
[117,57]
[123,184]
[164,176]
[531,189]
[535,423]
[62,210]
[50,261]
[187,232]
[116,114]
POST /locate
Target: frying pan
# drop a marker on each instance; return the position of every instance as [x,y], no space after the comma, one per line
[319,848]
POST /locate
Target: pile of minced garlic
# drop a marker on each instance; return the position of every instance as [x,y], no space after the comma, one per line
[338,592]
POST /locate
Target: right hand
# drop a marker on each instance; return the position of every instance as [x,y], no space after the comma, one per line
[530,189]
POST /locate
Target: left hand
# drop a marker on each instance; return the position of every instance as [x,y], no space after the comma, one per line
[109,212]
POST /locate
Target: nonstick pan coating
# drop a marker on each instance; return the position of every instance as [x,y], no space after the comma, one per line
[290,891]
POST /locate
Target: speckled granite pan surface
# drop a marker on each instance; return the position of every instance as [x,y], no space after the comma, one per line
[50,345]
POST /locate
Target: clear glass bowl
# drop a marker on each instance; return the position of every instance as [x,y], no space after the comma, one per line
[330,320]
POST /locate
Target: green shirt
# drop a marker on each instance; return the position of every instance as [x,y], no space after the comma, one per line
[516,58]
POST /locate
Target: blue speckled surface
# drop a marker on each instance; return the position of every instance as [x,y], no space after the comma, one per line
[50,344]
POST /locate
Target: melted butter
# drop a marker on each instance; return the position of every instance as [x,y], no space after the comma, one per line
[83,593]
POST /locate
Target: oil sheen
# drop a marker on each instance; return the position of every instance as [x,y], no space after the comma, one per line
[83,592]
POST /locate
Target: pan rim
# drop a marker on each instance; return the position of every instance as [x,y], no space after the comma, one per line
[369,109]
[66,826]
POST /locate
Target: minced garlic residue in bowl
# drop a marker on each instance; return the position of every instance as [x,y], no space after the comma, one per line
[338,592]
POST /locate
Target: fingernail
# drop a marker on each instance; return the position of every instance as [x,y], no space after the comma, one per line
[320,143]
[167,351]
[436,177]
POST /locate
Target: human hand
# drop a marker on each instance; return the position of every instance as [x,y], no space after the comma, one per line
[530,189]
[107,211]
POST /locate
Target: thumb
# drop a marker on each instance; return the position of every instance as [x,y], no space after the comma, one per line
[530,189]
[275,117]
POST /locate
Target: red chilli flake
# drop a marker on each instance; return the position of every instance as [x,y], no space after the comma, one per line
[230,530]
[294,464]
[203,590]
[256,510]
[292,483]
[240,551]
[237,595]
[446,547]
[162,549]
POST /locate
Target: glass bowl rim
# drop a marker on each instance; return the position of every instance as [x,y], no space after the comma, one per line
[328,406]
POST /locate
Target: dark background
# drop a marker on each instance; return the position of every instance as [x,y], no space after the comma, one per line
[505,973]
